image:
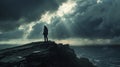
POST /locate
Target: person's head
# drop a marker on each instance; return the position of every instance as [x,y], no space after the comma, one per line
[44,25]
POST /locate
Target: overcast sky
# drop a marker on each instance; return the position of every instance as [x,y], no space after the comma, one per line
[78,21]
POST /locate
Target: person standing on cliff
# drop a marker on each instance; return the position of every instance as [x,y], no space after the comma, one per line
[45,33]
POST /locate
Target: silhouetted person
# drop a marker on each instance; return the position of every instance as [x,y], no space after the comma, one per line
[45,33]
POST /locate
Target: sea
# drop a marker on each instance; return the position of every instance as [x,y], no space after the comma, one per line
[101,56]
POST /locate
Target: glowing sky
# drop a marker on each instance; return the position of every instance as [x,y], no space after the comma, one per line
[64,9]
[69,21]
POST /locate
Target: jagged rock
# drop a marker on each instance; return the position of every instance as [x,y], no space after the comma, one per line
[42,54]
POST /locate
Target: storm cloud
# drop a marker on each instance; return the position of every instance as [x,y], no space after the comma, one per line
[17,12]
[92,19]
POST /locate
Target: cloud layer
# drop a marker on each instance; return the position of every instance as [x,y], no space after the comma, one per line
[17,12]
[91,19]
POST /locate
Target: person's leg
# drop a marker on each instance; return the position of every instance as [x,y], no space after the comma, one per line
[46,38]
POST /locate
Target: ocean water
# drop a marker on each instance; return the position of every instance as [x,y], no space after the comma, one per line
[101,56]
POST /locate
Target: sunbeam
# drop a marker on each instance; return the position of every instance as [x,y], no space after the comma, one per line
[65,9]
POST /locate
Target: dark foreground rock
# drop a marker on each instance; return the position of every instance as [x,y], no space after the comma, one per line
[42,54]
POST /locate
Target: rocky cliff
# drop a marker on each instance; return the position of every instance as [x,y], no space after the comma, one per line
[42,54]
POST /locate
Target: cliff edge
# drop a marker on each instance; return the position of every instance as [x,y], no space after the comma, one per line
[42,54]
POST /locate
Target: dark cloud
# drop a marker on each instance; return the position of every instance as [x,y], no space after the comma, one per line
[89,19]
[9,25]
[28,10]
[59,31]
[11,35]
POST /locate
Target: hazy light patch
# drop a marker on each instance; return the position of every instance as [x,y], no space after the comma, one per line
[0,32]
[47,17]
[84,41]
[20,41]
[99,1]
[64,9]
[27,29]
[22,19]
[70,41]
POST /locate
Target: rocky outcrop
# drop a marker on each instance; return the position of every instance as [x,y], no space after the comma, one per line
[42,54]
